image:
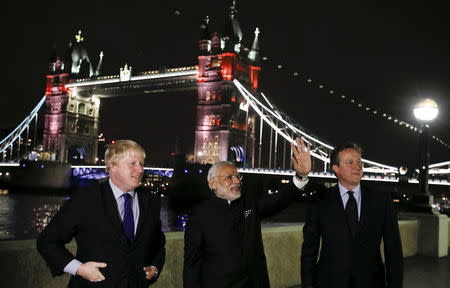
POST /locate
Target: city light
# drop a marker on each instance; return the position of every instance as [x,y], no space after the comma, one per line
[426,110]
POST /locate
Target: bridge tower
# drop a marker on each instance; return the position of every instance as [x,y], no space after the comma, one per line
[225,129]
[71,120]
[55,107]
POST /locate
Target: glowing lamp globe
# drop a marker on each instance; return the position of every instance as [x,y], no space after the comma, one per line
[426,110]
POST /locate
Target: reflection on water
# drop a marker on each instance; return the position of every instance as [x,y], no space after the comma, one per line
[6,219]
[42,216]
[24,216]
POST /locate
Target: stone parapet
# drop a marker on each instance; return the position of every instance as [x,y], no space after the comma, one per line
[21,265]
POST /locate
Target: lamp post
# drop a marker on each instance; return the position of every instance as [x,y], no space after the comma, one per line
[433,225]
[425,111]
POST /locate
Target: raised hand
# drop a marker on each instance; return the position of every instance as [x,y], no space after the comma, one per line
[301,157]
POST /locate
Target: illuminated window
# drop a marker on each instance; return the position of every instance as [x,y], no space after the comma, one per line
[56,106]
[216,145]
[216,63]
[81,108]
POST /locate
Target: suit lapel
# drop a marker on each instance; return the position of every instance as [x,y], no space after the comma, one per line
[364,209]
[338,199]
[338,206]
[143,209]
[341,211]
[112,212]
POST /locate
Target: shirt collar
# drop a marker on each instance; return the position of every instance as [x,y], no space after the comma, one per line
[117,192]
[343,190]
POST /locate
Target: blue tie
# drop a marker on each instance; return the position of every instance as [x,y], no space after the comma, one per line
[351,209]
[128,219]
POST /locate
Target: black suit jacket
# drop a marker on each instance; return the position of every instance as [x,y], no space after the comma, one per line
[345,260]
[223,242]
[92,218]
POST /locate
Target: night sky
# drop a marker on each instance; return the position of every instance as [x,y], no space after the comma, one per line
[385,57]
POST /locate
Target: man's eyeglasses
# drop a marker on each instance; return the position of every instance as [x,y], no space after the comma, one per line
[229,178]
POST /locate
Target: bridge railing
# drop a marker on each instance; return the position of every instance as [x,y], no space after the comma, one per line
[23,128]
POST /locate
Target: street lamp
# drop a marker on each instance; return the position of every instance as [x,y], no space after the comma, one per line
[425,111]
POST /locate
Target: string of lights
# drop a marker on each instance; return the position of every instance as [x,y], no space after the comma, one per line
[350,100]
[359,104]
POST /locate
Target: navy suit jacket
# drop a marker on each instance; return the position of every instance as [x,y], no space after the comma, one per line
[345,261]
[92,218]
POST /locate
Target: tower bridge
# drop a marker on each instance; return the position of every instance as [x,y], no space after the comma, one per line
[125,84]
[234,120]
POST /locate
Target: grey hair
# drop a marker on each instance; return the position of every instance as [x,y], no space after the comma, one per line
[212,171]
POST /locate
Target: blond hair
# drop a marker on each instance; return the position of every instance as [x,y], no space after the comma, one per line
[121,148]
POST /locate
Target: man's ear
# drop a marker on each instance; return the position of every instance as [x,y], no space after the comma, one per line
[335,169]
[212,184]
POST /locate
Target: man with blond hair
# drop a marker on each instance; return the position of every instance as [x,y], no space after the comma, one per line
[115,224]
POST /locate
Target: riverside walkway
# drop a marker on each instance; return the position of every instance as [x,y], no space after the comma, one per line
[424,272]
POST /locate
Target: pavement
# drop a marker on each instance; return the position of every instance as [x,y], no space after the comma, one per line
[425,272]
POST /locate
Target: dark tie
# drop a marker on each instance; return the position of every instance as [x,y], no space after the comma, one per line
[351,209]
[128,219]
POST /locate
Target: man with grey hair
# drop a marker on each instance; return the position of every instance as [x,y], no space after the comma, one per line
[116,226]
[223,241]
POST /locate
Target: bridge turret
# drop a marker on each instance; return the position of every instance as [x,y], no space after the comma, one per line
[78,59]
[55,63]
[205,37]
[232,34]
[71,118]
[253,55]
[56,103]
[100,63]
[225,128]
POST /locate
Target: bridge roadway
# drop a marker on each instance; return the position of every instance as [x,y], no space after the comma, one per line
[85,169]
[98,171]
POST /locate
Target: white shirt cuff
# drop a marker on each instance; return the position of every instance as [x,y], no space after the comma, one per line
[72,267]
[299,184]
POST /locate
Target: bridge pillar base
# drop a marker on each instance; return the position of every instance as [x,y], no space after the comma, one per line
[432,238]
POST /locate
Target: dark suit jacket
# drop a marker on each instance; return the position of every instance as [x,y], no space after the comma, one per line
[223,242]
[92,218]
[344,259]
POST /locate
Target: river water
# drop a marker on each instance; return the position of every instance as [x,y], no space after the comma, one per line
[24,216]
